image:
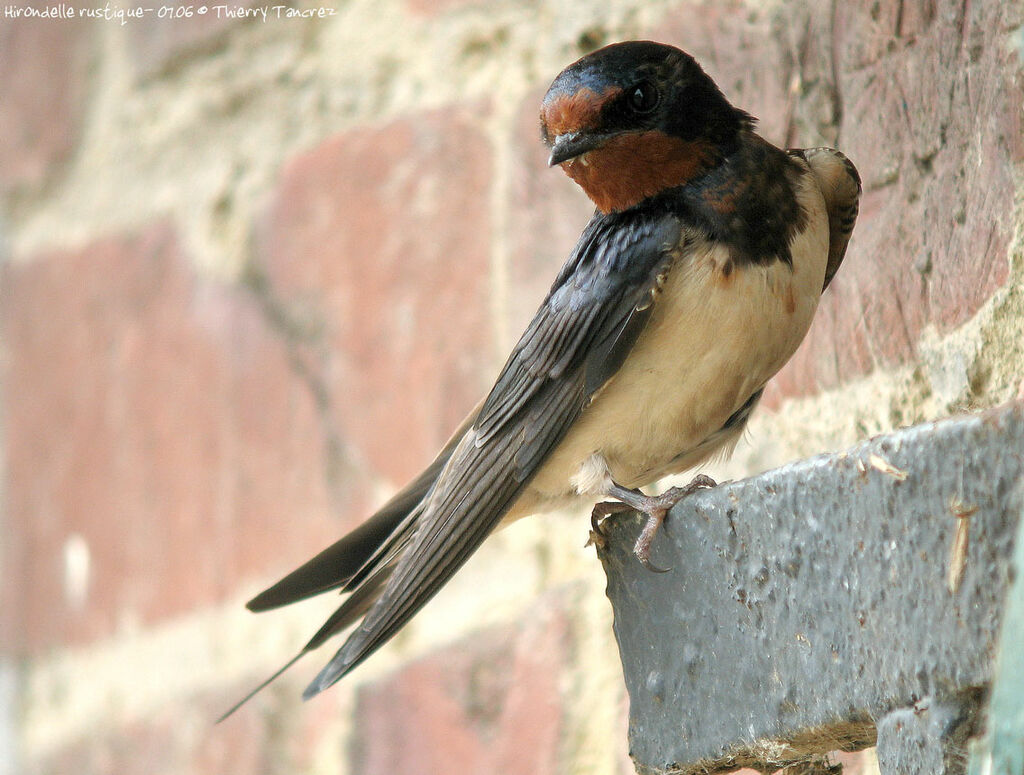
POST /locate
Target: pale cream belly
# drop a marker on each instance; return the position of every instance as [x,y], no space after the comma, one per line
[712,341]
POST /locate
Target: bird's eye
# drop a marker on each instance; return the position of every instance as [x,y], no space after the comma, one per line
[643,98]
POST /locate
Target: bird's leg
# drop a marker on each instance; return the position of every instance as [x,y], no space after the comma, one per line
[656,507]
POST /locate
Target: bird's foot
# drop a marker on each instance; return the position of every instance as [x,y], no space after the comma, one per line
[656,507]
[601,512]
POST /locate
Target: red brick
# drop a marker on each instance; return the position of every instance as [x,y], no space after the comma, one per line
[157,417]
[931,116]
[546,214]
[382,238]
[181,739]
[490,703]
[43,84]
[738,47]
[869,31]
[916,16]
[933,125]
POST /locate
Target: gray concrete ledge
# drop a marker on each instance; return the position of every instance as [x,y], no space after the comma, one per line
[829,604]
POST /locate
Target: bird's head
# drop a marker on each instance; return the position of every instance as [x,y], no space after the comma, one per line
[634,119]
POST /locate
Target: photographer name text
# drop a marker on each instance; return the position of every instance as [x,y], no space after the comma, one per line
[116,13]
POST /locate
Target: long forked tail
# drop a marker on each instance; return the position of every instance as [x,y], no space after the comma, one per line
[359,563]
[358,603]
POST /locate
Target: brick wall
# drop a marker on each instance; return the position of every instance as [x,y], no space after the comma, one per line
[254,272]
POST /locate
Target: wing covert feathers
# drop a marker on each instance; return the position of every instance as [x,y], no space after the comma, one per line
[840,185]
[580,335]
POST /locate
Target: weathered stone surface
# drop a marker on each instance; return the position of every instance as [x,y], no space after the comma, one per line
[379,241]
[929,738]
[880,573]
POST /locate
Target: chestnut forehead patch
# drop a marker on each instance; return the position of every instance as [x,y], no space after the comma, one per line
[575,112]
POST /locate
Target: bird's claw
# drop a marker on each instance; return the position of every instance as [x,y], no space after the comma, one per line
[643,555]
[642,547]
[656,508]
[673,495]
[602,511]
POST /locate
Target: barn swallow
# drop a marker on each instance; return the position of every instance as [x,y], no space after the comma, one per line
[693,283]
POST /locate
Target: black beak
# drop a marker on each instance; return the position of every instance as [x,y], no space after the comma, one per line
[573,144]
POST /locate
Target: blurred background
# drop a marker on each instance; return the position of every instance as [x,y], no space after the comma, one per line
[258,262]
